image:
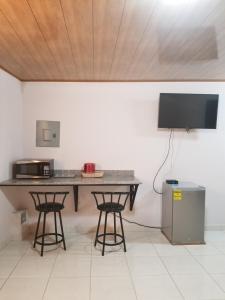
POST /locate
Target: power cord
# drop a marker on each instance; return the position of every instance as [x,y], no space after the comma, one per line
[167,155]
[142,225]
[164,161]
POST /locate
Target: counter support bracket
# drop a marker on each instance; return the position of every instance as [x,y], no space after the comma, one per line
[133,191]
[75,196]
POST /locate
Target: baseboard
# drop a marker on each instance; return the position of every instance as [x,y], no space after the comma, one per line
[214,227]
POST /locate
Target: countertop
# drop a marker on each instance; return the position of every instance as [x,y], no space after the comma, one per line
[111,177]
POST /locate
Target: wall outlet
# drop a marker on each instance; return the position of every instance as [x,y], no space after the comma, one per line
[23,216]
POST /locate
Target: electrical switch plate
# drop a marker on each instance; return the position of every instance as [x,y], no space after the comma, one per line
[47,133]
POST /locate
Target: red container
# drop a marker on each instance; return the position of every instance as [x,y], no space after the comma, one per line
[89,167]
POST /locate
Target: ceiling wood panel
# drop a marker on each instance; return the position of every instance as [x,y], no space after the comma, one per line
[49,16]
[195,43]
[113,40]
[137,14]
[78,19]
[211,67]
[9,59]
[24,24]
[106,25]
[148,63]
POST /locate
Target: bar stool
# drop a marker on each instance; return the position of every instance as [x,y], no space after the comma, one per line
[47,202]
[110,202]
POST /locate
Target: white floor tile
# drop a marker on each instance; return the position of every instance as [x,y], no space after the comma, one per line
[109,266]
[141,249]
[158,287]
[2,282]
[213,264]
[112,288]
[220,279]
[220,246]
[203,250]
[145,265]
[23,289]
[7,264]
[137,237]
[171,250]
[76,248]
[33,267]
[182,265]
[72,266]
[47,252]
[158,238]
[79,238]
[68,289]
[198,286]
[15,248]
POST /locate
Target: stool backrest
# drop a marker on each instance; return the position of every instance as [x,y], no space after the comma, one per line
[48,197]
[111,197]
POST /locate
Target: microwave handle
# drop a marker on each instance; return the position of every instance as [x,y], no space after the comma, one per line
[20,162]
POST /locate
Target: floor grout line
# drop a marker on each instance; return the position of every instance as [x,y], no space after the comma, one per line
[169,273]
[131,277]
[49,277]
[209,274]
[14,267]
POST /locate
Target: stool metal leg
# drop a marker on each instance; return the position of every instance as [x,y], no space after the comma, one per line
[99,222]
[56,236]
[103,248]
[37,228]
[63,239]
[43,233]
[121,223]
[114,215]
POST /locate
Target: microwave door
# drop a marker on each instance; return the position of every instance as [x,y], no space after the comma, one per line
[31,170]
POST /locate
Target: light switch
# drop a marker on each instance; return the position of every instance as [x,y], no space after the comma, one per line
[47,135]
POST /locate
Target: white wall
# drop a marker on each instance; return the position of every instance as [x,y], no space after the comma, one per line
[115,126]
[10,141]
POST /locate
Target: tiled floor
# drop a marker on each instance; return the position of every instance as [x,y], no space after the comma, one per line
[151,269]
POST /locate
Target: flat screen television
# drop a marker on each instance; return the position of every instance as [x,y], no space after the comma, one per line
[188,111]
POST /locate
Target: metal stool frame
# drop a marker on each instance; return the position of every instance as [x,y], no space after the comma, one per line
[43,205]
[115,205]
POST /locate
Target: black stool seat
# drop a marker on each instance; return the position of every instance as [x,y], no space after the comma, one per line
[49,202]
[110,207]
[110,202]
[50,207]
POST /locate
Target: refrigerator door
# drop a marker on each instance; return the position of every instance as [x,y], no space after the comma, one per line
[189,217]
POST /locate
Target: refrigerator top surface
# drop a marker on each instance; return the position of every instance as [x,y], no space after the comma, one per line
[186,186]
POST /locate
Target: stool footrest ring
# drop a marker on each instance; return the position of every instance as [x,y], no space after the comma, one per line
[49,243]
[113,243]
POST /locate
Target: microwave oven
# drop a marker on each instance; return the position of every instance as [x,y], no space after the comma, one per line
[33,168]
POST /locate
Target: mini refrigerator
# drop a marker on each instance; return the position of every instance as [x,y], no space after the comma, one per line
[183,213]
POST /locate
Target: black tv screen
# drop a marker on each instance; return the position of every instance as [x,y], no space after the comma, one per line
[188,111]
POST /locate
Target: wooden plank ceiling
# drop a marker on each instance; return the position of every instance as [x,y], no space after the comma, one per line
[113,40]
